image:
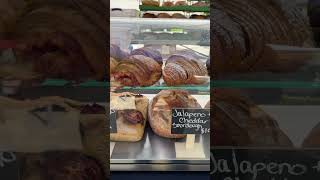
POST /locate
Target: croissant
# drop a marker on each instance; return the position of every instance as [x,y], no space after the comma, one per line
[164,15]
[180,70]
[168,4]
[148,52]
[138,70]
[117,53]
[160,111]
[151,3]
[181,3]
[178,16]
[63,39]
[239,122]
[113,64]
[242,28]
[149,15]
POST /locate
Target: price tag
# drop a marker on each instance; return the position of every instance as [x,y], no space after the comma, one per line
[190,121]
[123,102]
[9,167]
[113,121]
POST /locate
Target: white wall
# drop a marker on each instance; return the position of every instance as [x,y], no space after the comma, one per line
[124,4]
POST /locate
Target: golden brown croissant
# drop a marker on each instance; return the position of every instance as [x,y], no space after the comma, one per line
[113,64]
[168,4]
[150,3]
[138,70]
[180,70]
[181,3]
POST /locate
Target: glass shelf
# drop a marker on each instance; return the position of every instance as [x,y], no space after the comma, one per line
[62,82]
[265,84]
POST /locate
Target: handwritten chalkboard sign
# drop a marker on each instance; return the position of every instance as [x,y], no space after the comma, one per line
[113,121]
[9,167]
[242,164]
[190,121]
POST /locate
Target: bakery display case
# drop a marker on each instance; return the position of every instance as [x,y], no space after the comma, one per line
[158,73]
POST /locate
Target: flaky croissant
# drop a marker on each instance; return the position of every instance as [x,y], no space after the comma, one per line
[182,69]
[138,70]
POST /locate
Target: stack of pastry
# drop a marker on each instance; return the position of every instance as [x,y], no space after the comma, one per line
[242,28]
[239,122]
[131,120]
[160,110]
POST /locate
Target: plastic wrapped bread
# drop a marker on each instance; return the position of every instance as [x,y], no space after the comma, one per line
[131,116]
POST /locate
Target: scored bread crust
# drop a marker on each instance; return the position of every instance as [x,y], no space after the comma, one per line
[160,111]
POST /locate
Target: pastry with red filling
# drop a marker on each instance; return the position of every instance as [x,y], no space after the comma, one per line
[131,120]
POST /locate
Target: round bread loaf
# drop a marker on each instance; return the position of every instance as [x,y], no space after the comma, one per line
[149,15]
[164,15]
[160,110]
[178,16]
[196,16]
